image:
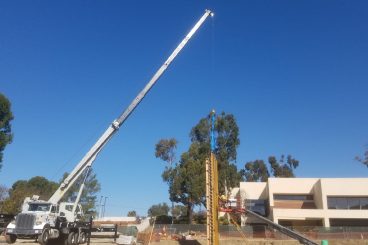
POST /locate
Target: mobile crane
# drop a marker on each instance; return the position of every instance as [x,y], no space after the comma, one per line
[52,219]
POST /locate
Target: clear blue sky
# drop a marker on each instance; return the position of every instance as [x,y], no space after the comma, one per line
[294,74]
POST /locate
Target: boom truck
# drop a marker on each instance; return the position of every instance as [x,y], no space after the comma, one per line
[54,220]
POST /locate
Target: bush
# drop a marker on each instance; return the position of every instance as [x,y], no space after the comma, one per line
[223,220]
[162,219]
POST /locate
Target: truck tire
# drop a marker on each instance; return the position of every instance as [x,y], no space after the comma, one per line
[72,239]
[43,239]
[82,238]
[10,238]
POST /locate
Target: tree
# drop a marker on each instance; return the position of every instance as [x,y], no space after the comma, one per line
[132,213]
[363,160]
[227,142]
[165,150]
[200,217]
[186,178]
[178,210]
[22,188]
[6,116]
[281,168]
[3,195]
[256,171]
[89,194]
[158,209]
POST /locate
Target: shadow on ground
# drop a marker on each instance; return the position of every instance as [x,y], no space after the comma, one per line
[189,242]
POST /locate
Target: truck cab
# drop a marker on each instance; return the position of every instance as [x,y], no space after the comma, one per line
[35,216]
[41,220]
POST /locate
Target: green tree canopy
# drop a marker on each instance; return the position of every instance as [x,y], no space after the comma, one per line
[27,188]
[283,168]
[89,194]
[257,170]
[132,213]
[158,210]
[186,178]
[179,210]
[6,117]
[165,150]
[227,142]
[3,193]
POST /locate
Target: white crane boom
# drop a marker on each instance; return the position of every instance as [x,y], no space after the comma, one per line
[88,159]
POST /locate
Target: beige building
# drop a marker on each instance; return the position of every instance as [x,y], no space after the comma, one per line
[308,201]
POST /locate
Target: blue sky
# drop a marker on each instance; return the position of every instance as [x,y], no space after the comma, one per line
[294,74]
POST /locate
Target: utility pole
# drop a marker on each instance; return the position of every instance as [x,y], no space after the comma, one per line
[100,212]
[104,207]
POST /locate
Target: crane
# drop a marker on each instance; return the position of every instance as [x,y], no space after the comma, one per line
[53,219]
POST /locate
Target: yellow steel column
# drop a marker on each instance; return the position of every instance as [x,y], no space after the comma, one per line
[215,199]
[212,192]
[209,200]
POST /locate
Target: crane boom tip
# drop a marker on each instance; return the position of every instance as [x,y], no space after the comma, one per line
[210,12]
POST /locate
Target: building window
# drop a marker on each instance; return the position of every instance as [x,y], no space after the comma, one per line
[348,222]
[347,202]
[364,202]
[258,206]
[294,201]
[354,203]
[285,197]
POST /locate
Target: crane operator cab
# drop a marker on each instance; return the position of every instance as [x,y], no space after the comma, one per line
[66,210]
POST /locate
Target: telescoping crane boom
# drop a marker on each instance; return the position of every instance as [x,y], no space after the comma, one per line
[53,220]
[88,159]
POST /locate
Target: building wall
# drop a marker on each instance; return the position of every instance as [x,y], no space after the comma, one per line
[285,186]
[253,190]
[308,210]
[318,196]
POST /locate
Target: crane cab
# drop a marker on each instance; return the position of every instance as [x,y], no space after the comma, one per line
[66,211]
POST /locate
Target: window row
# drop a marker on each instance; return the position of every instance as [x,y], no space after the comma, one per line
[292,197]
[347,202]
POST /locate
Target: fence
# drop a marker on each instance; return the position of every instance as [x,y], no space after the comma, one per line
[262,232]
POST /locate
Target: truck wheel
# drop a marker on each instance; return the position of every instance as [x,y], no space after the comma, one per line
[82,238]
[72,238]
[10,238]
[44,237]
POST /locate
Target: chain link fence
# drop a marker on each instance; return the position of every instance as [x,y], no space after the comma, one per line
[261,232]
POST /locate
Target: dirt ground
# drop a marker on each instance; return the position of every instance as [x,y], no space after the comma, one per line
[106,241]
